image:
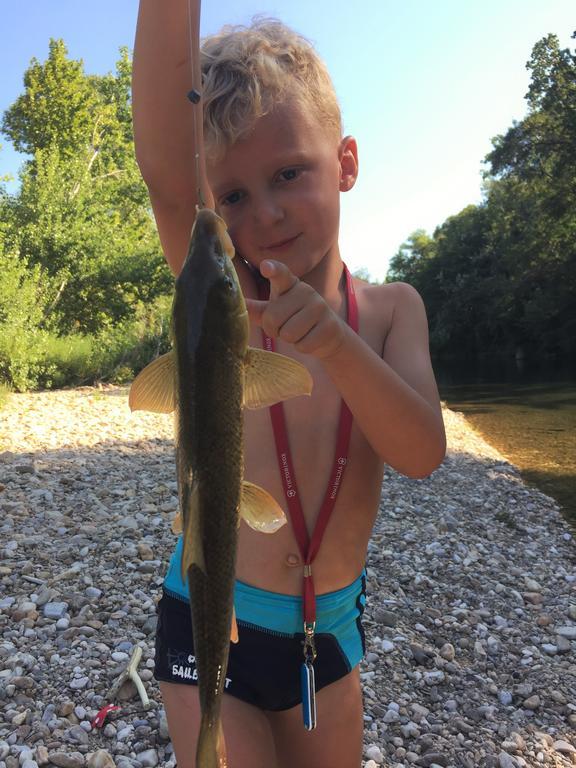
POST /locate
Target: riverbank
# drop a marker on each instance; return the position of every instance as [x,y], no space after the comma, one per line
[470,621]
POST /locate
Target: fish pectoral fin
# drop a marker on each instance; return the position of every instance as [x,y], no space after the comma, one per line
[234,627]
[153,388]
[192,549]
[270,377]
[260,510]
[177,524]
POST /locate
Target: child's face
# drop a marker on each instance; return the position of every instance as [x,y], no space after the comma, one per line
[278,189]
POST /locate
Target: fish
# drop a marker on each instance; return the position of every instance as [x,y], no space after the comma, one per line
[207,379]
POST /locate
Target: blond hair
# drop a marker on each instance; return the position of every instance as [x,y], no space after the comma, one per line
[246,71]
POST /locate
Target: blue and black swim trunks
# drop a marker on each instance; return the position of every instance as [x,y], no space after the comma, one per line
[264,666]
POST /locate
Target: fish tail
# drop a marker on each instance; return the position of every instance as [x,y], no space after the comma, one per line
[211,749]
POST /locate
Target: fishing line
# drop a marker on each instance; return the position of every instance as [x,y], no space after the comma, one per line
[195,97]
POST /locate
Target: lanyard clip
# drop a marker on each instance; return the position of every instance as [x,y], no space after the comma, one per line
[309,644]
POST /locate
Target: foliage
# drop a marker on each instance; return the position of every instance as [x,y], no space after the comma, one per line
[41,360]
[79,247]
[500,278]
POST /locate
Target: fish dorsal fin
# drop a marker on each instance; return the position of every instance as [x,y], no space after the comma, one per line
[153,388]
[225,239]
[270,377]
[260,510]
[192,550]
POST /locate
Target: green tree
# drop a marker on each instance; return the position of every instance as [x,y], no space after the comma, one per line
[501,276]
[411,261]
[56,107]
[82,213]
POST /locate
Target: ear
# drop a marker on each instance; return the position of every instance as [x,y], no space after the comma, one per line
[348,157]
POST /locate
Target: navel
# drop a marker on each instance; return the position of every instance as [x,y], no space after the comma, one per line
[293,560]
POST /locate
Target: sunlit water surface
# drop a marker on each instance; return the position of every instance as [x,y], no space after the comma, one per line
[532,424]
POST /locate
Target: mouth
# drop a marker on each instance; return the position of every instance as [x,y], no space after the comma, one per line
[280,244]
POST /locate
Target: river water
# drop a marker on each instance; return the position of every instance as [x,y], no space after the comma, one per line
[530,417]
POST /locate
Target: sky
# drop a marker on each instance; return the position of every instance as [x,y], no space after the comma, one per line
[424,86]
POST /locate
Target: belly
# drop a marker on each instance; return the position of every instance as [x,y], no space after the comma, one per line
[274,562]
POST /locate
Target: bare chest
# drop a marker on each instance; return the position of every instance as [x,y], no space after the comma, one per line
[312,428]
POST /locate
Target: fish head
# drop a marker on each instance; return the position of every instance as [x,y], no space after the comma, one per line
[208,276]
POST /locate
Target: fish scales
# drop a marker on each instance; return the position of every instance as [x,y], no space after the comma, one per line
[209,437]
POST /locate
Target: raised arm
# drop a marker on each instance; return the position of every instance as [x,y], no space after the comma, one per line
[163,118]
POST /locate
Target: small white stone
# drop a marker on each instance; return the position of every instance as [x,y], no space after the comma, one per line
[373,752]
[148,758]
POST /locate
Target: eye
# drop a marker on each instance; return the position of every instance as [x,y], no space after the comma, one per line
[232,198]
[289,174]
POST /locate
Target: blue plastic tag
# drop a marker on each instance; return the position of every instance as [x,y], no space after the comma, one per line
[308,695]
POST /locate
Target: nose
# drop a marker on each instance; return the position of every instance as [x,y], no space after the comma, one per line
[267,211]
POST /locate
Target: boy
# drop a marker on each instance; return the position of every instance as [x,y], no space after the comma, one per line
[276,162]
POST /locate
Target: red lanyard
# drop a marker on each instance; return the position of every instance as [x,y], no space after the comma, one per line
[309,546]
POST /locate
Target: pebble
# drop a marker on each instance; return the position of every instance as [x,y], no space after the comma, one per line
[505,698]
[470,587]
[532,702]
[148,758]
[564,746]
[447,652]
[430,759]
[373,752]
[67,759]
[100,759]
[568,632]
[506,761]
[55,610]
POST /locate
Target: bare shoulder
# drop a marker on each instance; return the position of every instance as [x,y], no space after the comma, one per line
[392,294]
[386,307]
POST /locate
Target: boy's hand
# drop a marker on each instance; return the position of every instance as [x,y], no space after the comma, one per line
[296,313]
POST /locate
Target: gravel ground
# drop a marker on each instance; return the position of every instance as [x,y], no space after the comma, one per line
[471,616]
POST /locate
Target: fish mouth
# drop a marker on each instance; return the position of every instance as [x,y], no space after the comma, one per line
[280,243]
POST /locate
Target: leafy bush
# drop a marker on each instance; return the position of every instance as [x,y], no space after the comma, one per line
[22,307]
[36,359]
